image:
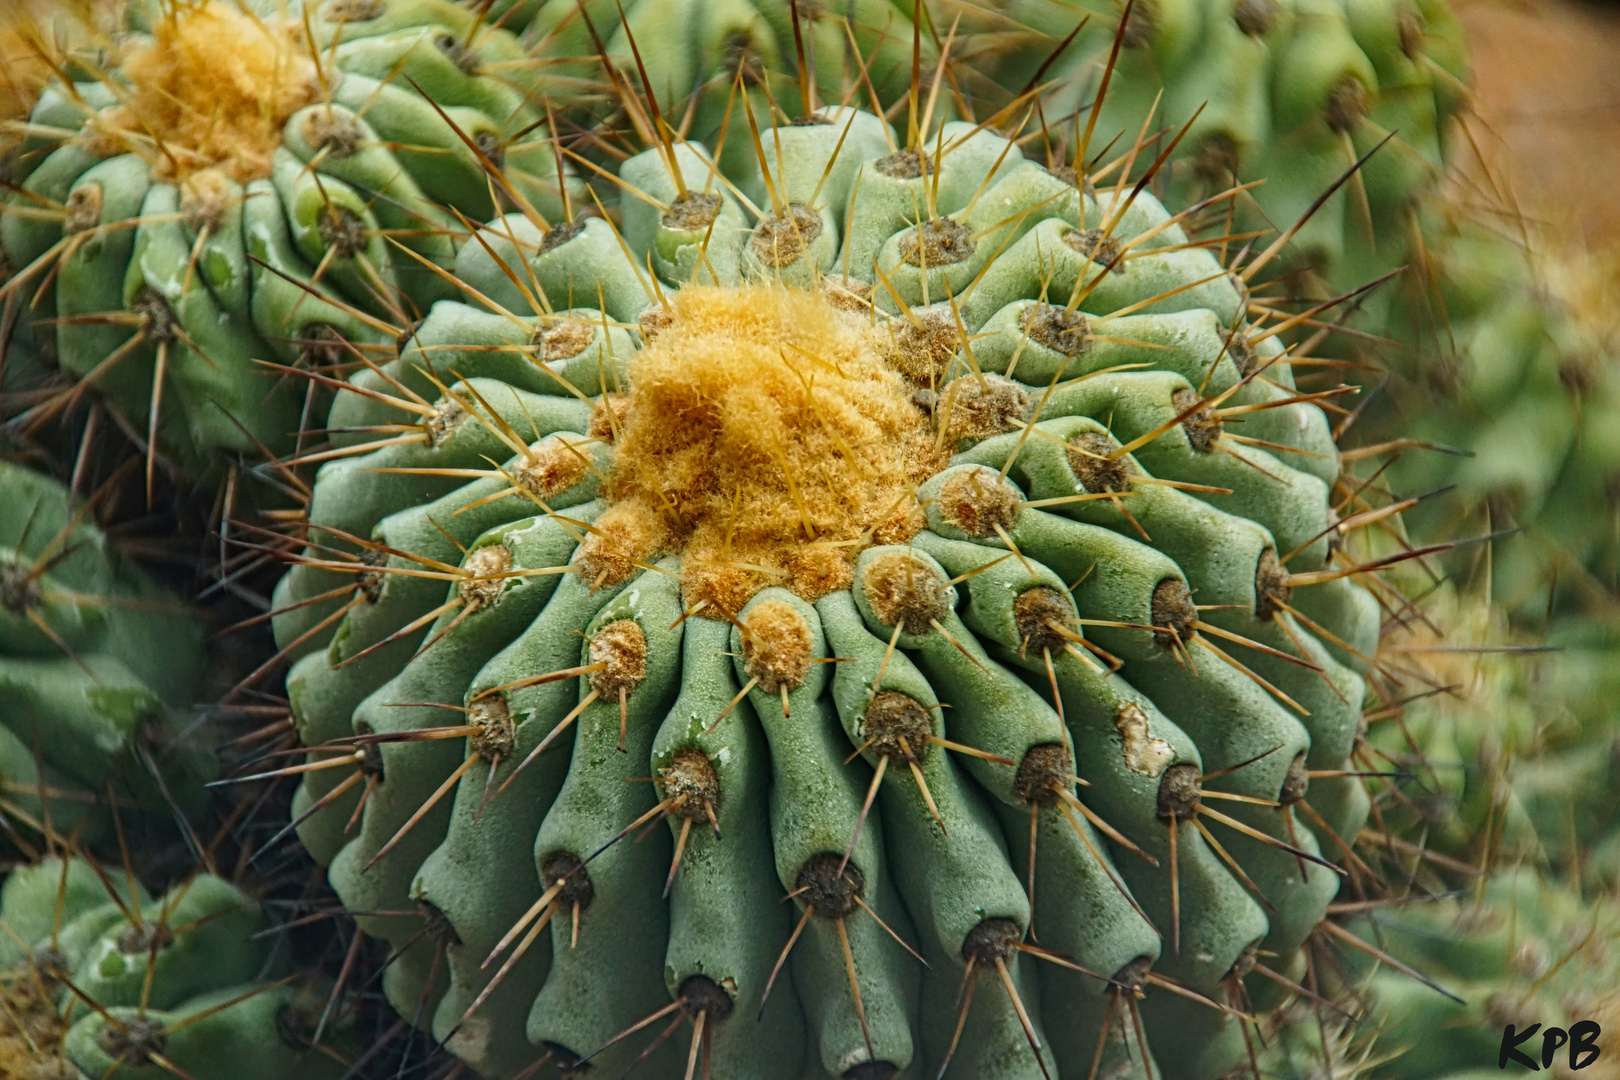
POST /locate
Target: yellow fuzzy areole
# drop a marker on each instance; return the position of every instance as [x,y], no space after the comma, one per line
[212,89]
[31,1031]
[767,441]
[33,33]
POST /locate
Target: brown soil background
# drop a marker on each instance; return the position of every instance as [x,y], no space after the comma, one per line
[1547,122]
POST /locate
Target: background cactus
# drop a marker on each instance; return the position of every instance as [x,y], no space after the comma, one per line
[695,52]
[1290,95]
[88,706]
[1291,92]
[1498,347]
[175,263]
[1522,951]
[99,980]
[878,457]
[1511,759]
[1517,948]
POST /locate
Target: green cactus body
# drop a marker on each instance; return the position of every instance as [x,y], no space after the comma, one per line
[183,254]
[85,701]
[1519,759]
[1523,950]
[101,980]
[1500,349]
[693,51]
[1492,360]
[1289,91]
[837,560]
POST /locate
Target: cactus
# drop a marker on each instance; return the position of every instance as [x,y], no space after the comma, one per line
[1518,758]
[89,705]
[1524,950]
[697,49]
[240,188]
[931,539]
[1291,92]
[101,980]
[1501,346]
[1451,973]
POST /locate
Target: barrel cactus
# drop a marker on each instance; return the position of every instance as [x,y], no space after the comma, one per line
[898,609]
[1519,947]
[230,189]
[693,52]
[1291,92]
[1519,755]
[1500,347]
[101,980]
[1521,950]
[88,707]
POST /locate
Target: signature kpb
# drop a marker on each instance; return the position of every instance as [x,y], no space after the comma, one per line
[1581,1037]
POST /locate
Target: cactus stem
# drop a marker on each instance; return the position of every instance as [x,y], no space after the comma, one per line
[562,725]
[866,808]
[1068,800]
[433,800]
[1023,1014]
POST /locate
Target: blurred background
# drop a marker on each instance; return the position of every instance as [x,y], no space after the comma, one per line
[1547,82]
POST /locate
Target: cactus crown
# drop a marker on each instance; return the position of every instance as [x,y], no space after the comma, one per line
[229,187]
[763,438]
[211,88]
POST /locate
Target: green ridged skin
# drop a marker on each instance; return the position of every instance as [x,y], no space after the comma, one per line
[1505,369]
[178,288]
[1526,950]
[1490,359]
[693,50]
[101,980]
[1519,947]
[523,756]
[1290,92]
[1519,762]
[86,701]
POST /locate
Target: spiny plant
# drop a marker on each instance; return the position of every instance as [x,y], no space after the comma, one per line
[1491,363]
[1521,949]
[1289,92]
[1499,348]
[703,45]
[1564,796]
[90,707]
[99,979]
[1459,744]
[931,460]
[219,191]
[23,69]
[1518,751]
[1517,948]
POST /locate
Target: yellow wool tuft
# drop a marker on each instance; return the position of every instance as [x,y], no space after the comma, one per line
[767,441]
[212,89]
[31,1031]
[34,36]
